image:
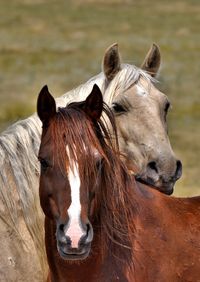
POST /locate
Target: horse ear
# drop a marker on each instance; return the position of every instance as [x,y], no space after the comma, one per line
[111,62]
[46,105]
[152,60]
[94,103]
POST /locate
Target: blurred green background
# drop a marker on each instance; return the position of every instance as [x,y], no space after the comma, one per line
[61,43]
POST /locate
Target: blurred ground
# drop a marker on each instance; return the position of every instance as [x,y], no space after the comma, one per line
[61,43]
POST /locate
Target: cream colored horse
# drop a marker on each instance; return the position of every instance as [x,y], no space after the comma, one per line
[140,111]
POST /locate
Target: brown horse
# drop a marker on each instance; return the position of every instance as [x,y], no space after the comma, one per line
[100,224]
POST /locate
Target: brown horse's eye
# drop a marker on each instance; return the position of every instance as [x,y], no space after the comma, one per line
[118,108]
[99,164]
[44,164]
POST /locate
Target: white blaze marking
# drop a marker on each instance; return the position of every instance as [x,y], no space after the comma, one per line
[141,91]
[74,230]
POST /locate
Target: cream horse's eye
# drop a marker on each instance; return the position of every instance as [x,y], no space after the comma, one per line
[167,106]
[118,108]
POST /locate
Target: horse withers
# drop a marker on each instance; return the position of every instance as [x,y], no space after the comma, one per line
[100,224]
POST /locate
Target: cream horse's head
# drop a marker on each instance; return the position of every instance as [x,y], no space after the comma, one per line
[141,110]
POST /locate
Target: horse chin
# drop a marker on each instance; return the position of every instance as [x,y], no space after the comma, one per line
[74,255]
[166,188]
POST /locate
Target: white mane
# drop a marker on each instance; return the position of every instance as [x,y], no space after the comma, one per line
[125,78]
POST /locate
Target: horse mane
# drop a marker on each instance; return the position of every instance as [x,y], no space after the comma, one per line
[19,172]
[124,79]
[114,200]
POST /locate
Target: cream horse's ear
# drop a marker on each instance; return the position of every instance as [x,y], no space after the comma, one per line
[111,62]
[152,60]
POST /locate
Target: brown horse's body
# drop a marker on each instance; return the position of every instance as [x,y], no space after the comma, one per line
[165,245]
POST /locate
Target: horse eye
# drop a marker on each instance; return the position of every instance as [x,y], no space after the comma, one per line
[44,164]
[167,106]
[118,108]
[99,164]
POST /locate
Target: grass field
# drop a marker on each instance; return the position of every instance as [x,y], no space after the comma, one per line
[61,43]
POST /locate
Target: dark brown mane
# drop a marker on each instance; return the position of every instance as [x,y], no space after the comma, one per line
[114,201]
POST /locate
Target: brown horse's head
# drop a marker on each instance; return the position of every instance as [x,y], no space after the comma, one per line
[141,110]
[72,154]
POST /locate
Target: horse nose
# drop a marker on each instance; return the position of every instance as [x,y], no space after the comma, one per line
[73,237]
[178,172]
[154,170]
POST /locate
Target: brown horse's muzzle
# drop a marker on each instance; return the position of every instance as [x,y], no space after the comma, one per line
[65,246]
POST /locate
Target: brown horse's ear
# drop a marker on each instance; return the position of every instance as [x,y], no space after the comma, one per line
[152,60]
[111,62]
[46,105]
[94,103]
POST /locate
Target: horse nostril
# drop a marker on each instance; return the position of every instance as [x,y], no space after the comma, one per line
[68,240]
[87,238]
[178,172]
[88,229]
[153,166]
[61,236]
[89,232]
[61,227]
